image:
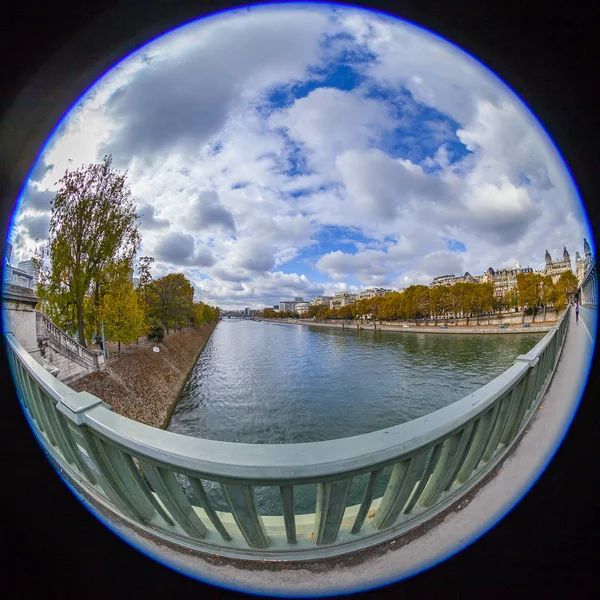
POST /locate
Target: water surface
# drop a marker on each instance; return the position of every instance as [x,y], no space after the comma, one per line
[272,383]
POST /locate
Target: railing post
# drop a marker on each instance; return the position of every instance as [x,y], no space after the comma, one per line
[331,504]
[242,501]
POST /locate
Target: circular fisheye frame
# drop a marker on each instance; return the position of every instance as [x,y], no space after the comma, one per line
[333,222]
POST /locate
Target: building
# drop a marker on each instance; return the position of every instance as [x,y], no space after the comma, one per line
[298,299]
[583,264]
[556,268]
[16,276]
[342,299]
[24,275]
[505,280]
[322,301]
[29,266]
[467,278]
[446,280]
[488,275]
[373,293]
[302,308]
[287,306]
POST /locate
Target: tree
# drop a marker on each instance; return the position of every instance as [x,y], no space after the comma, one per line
[171,300]
[157,332]
[548,293]
[202,313]
[145,276]
[93,222]
[123,316]
[566,288]
[528,288]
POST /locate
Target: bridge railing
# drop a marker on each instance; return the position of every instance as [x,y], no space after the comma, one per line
[205,494]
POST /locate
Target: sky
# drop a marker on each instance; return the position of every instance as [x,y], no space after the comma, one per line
[302,150]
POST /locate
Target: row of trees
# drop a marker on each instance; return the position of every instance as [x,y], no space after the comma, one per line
[533,291]
[91,251]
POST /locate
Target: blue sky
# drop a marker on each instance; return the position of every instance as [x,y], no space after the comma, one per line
[296,150]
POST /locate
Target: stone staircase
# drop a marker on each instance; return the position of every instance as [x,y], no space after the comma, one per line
[69,359]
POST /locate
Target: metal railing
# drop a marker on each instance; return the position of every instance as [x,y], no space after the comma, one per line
[167,484]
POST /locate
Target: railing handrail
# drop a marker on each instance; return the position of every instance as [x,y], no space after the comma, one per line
[244,462]
[50,325]
[139,472]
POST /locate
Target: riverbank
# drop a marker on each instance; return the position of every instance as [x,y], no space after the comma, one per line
[145,385]
[477,329]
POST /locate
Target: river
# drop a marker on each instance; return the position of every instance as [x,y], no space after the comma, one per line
[273,383]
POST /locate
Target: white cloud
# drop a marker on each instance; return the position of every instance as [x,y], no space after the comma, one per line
[209,165]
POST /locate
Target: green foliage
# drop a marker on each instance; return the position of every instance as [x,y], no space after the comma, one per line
[415,302]
[145,283]
[566,288]
[157,332]
[93,222]
[121,312]
[171,300]
[529,288]
[202,313]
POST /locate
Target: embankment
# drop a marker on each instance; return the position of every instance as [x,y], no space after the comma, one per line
[145,385]
[452,329]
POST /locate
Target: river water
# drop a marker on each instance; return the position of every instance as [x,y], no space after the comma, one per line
[273,383]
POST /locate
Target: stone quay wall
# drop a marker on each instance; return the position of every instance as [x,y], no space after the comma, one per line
[145,385]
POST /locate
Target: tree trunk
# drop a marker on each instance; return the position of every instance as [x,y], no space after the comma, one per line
[80,327]
[544,313]
[119,350]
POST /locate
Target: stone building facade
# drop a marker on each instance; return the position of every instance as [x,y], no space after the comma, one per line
[505,280]
[322,301]
[373,293]
[556,268]
[342,299]
[582,264]
[441,280]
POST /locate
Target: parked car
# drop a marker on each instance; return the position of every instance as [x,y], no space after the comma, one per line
[406,326]
[443,326]
[503,326]
[526,325]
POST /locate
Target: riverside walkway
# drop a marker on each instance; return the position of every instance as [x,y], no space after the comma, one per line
[455,473]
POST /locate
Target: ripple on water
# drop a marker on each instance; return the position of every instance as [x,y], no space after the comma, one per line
[273,383]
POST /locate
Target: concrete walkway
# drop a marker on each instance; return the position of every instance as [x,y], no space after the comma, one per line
[473,516]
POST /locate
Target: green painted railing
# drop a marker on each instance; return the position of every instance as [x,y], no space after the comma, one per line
[164,483]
